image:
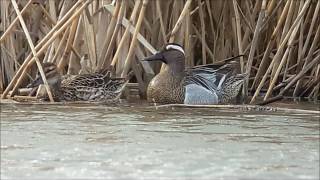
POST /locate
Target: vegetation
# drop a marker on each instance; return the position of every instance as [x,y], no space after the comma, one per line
[279,38]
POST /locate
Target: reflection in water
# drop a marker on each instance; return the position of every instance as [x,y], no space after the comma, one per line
[131,143]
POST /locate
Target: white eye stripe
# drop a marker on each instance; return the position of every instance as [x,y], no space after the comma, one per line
[178,48]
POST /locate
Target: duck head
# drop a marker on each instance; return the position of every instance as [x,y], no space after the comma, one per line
[52,75]
[172,55]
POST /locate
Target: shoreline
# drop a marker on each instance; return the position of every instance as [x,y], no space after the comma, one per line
[284,106]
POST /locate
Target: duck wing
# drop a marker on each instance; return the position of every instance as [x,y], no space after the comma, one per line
[92,87]
[86,80]
[210,76]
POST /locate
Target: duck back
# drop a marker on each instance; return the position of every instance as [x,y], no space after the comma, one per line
[92,87]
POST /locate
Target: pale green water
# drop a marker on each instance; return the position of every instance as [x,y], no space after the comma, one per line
[52,142]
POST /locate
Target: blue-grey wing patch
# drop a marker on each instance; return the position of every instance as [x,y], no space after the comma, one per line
[196,94]
[211,80]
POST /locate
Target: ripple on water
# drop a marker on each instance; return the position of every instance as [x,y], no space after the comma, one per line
[133,143]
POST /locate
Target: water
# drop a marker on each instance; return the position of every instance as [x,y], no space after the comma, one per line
[51,141]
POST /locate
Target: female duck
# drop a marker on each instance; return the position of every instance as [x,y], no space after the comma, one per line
[86,87]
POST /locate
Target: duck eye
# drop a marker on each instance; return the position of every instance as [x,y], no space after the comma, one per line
[164,59]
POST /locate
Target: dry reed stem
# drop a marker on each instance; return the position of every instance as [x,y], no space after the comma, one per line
[238,29]
[9,29]
[24,27]
[203,33]
[162,28]
[110,33]
[62,62]
[210,29]
[291,34]
[115,33]
[315,61]
[141,39]
[47,14]
[254,45]
[178,24]
[269,47]
[126,34]
[41,46]
[312,48]
[59,48]
[180,20]
[129,58]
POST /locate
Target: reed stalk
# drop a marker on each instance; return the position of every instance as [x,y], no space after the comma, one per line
[25,29]
[279,40]
[128,60]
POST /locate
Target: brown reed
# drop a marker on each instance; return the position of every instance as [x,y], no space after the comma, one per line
[280,40]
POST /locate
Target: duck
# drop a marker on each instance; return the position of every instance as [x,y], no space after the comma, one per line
[198,85]
[95,87]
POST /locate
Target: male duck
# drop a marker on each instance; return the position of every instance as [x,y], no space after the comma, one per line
[206,84]
[86,87]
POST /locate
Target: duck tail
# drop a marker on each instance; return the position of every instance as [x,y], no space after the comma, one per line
[242,76]
[229,60]
[235,58]
[107,72]
[123,83]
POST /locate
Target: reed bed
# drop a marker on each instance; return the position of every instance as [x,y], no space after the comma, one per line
[279,38]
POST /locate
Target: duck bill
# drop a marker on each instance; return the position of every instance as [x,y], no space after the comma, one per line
[156,57]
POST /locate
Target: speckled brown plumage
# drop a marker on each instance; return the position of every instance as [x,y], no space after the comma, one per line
[172,88]
[87,87]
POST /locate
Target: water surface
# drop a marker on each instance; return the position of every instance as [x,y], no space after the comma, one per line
[86,141]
